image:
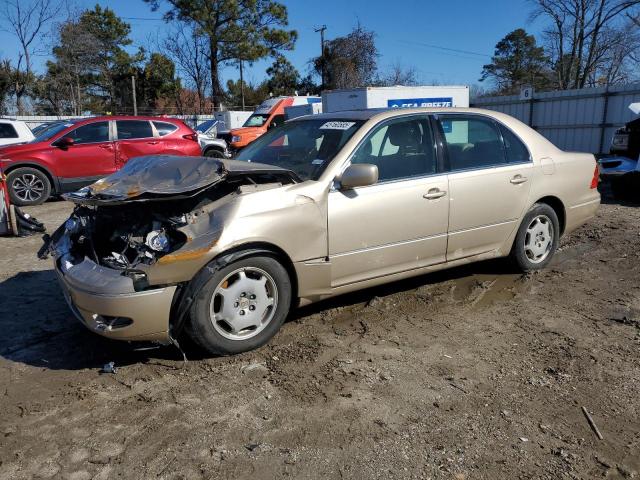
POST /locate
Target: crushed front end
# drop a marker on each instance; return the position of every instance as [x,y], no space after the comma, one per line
[133,224]
[101,254]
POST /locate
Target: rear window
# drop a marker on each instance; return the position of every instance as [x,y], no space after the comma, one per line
[516,150]
[165,128]
[131,129]
[7,131]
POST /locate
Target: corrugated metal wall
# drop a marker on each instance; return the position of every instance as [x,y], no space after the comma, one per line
[579,120]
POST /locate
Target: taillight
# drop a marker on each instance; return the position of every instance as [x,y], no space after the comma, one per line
[191,136]
[596,178]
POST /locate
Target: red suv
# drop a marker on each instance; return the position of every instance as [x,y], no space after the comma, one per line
[71,154]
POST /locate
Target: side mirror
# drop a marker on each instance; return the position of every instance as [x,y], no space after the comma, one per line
[359,175]
[64,142]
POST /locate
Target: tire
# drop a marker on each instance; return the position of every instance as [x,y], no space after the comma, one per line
[226,293]
[537,238]
[212,152]
[28,186]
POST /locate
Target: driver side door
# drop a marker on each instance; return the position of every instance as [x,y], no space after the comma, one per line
[399,223]
[92,156]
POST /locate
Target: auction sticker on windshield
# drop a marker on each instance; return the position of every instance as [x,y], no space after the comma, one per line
[337,125]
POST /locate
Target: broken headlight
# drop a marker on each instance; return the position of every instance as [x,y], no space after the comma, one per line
[158,241]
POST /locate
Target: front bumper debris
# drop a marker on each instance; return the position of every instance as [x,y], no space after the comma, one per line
[112,308]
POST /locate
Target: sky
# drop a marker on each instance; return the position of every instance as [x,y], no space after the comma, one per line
[446,42]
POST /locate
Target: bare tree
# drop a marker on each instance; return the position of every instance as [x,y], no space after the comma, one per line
[349,61]
[398,74]
[580,36]
[189,50]
[27,20]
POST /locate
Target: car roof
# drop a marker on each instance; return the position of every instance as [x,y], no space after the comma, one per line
[391,112]
[11,120]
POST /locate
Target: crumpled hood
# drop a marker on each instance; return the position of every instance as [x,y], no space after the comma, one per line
[158,177]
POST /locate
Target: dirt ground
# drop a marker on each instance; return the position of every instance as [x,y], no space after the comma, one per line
[471,373]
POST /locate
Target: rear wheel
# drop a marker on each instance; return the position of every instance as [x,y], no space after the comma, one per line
[28,186]
[241,307]
[537,238]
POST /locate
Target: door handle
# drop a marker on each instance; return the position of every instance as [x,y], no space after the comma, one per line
[107,147]
[518,179]
[434,193]
[152,143]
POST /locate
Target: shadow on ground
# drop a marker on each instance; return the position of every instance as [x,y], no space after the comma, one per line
[40,330]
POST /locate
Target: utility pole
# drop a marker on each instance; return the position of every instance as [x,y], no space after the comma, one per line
[241,85]
[135,103]
[321,30]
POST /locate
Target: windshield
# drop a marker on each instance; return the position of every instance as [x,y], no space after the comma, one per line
[50,132]
[304,146]
[256,120]
[204,126]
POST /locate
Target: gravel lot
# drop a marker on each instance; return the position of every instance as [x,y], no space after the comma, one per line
[475,372]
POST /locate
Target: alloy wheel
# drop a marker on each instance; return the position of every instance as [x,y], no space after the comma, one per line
[28,187]
[243,303]
[538,239]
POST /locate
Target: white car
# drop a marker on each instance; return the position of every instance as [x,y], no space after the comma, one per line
[14,131]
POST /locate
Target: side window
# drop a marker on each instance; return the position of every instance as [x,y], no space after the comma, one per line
[92,133]
[472,142]
[515,149]
[401,148]
[165,128]
[130,129]
[277,121]
[7,131]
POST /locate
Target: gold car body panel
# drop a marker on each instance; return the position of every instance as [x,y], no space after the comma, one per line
[320,229]
[404,230]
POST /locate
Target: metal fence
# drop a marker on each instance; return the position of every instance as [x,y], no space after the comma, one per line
[34,120]
[577,120]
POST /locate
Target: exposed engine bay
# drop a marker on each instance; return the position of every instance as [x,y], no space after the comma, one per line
[152,207]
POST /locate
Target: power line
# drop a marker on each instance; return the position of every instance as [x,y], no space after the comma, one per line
[447,49]
[143,18]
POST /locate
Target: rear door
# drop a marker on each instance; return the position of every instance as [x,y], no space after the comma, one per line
[489,179]
[91,156]
[135,138]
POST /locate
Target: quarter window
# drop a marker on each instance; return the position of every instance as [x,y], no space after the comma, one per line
[472,142]
[514,148]
[7,131]
[130,129]
[97,132]
[401,148]
[165,128]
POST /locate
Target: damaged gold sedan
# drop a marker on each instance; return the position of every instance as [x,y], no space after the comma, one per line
[320,206]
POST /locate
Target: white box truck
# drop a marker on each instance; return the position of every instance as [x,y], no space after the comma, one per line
[230,119]
[395,97]
[301,110]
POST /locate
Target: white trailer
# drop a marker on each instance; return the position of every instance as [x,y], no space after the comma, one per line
[301,110]
[395,97]
[231,119]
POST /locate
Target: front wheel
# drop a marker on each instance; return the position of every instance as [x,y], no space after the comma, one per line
[537,238]
[212,152]
[28,186]
[241,307]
